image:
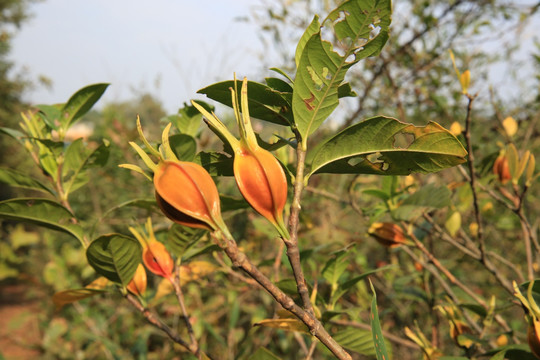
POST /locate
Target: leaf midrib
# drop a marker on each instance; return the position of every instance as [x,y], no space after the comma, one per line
[340,67]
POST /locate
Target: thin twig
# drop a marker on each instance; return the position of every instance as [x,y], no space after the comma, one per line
[154,320]
[454,280]
[434,271]
[180,297]
[312,349]
[240,260]
[472,177]
[293,253]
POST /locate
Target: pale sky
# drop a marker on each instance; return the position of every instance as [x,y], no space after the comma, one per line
[170,48]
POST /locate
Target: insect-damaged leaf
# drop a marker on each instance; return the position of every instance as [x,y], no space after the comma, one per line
[386,146]
[361,30]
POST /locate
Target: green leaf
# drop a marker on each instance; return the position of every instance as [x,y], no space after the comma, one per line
[386,146]
[217,164]
[15,134]
[43,212]
[115,257]
[321,70]
[313,28]
[263,103]
[335,267]
[80,103]
[288,286]
[357,340]
[180,238]
[229,203]
[78,160]
[263,354]
[347,285]
[279,85]
[146,204]
[378,339]
[188,120]
[428,197]
[22,180]
[50,114]
[511,352]
[183,146]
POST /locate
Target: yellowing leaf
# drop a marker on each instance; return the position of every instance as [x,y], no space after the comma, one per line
[473,228]
[70,296]
[284,324]
[98,284]
[465,80]
[195,270]
[510,126]
[453,223]
[65,297]
[164,288]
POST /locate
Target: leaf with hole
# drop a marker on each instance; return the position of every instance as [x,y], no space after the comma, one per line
[386,146]
[361,30]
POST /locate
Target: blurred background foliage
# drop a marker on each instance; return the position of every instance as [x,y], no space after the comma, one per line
[413,80]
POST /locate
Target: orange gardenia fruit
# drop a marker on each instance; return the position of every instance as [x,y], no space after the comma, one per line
[187,194]
[157,259]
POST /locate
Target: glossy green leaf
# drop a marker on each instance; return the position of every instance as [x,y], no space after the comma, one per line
[335,267]
[180,238]
[361,29]
[428,197]
[80,103]
[229,203]
[217,164]
[313,28]
[357,340]
[386,146]
[50,114]
[146,204]
[189,119]
[279,85]
[13,133]
[378,339]
[48,153]
[115,257]
[183,146]
[511,352]
[263,102]
[78,159]
[347,285]
[22,180]
[263,354]
[43,212]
